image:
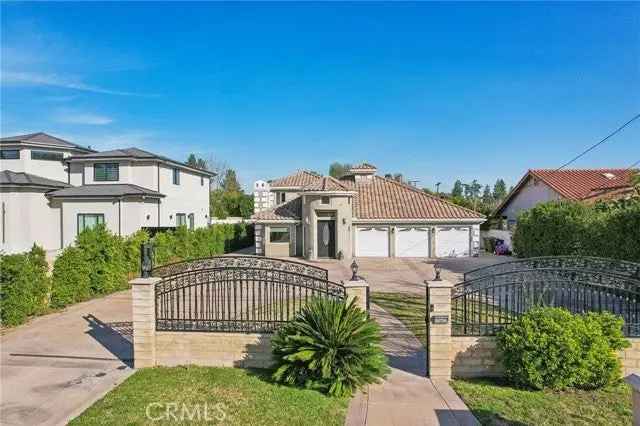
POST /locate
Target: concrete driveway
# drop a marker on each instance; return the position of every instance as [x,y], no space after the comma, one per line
[406,274]
[56,366]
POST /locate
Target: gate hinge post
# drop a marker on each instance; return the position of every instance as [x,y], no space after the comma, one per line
[144,321]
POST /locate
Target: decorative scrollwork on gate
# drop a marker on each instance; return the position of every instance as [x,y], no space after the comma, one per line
[241,261]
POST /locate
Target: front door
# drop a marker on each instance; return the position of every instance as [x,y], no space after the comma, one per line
[327,238]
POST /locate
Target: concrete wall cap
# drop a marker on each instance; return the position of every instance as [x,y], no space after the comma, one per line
[634,381]
[145,281]
[352,284]
[439,284]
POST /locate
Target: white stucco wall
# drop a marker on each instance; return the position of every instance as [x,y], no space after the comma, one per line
[189,197]
[55,170]
[138,213]
[28,218]
[71,209]
[532,192]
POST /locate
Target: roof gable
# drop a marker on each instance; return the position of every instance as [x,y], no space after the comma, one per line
[44,139]
[326,183]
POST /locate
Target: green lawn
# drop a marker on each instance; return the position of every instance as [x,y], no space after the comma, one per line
[232,397]
[495,403]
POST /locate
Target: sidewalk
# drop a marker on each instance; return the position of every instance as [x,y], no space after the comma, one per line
[407,397]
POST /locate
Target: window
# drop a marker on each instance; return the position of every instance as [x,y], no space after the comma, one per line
[181,219]
[10,154]
[176,176]
[282,197]
[106,172]
[89,220]
[47,155]
[324,200]
[279,235]
[192,223]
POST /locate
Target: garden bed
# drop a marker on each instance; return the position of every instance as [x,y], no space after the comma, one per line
[225,395]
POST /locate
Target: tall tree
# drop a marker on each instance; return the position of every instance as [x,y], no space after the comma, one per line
[197,162]
[337,170]
[499,190]
[472,190]
[230,182]
[487,197]
[458,189]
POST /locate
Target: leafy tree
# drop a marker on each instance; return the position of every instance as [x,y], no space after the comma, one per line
[388,175]
[230,203]
[458,189]
[499,190]
[337,170]
[197,162]
[230,182]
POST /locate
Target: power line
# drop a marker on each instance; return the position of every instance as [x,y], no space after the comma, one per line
[599,143]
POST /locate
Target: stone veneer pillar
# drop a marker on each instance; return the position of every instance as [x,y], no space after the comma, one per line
[439,333]
[359,290]
[144,321]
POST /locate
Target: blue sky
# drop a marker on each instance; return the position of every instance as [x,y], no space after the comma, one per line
[435,91]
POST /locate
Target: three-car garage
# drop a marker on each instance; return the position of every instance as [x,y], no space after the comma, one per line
[413,241]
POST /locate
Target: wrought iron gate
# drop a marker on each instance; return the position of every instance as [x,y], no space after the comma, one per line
[237,293]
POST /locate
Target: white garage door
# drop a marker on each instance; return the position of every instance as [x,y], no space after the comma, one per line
[452,242]
[373,242]
[412,242]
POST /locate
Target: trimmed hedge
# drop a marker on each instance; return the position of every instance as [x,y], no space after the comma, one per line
[100,263]
[552,348]
[610,230]
[24,286]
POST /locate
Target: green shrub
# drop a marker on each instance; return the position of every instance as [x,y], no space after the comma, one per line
[106,255]
[609,230]
[71,278]
[132,250]
[330,346]
[552,348]
[24,286]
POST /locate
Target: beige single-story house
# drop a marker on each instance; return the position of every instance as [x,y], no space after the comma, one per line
[361,214]
[584,185]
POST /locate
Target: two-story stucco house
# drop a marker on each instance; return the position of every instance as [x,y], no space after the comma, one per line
[53,189]
[361,214]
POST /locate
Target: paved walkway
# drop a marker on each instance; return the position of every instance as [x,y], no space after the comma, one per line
[406,397]
[56,366]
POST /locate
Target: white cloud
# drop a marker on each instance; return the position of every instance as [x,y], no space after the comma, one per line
[79,117]
[23,78]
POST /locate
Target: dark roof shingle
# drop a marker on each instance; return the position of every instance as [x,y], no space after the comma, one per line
[43,138]
[104,190]
[8,177]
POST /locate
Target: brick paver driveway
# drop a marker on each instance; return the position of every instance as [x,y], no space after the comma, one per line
[57,365]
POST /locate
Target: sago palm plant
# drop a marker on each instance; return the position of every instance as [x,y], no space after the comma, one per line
[330,346]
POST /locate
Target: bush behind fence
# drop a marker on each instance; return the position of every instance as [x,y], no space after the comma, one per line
[610,230]
[100,263]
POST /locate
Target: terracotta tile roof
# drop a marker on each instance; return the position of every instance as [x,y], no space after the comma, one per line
[291,210]
[326,183]
[382,198]
[298,179]
[577,184]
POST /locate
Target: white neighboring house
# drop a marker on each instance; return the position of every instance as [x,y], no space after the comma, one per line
[52,189]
